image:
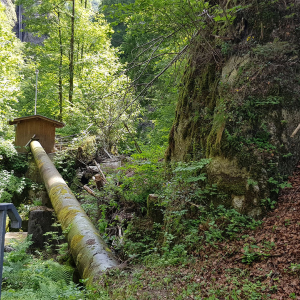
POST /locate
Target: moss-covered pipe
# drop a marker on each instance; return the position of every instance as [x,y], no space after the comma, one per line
[90,253]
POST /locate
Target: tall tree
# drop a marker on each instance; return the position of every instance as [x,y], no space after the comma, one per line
[71,63]
[11,61]
[79,70]
[158,38]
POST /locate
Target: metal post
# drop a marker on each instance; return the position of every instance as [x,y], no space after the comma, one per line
[16,222]
[36,72]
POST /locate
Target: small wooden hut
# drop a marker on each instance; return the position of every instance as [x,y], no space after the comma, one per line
[42,127]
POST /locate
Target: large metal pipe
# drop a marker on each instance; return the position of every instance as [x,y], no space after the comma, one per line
[89,251]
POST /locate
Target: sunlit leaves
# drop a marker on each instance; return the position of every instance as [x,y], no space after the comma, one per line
[101,98]
[10,63]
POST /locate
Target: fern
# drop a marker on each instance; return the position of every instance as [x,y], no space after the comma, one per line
[189,172]
[57,272]
[29,278]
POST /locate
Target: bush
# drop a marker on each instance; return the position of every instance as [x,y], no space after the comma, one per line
[10,159]
[9,185]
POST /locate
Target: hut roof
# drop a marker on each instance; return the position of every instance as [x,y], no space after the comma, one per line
[57,124]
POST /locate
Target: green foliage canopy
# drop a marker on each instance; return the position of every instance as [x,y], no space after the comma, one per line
[101,99]
[11,61]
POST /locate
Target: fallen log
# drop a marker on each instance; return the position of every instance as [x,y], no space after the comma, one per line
[295,131]
[90,191]
[99,168]
[90,253]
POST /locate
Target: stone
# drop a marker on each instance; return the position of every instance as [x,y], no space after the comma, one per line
[243,109]
[238,202]
[154,211]
[255,213]
[221,165]
[228,176]
[40,222]
[109,165]
[231,68]
[40,194]
[8,248]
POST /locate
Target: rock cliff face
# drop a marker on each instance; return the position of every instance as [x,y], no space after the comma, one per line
[14,15]
[239,104]
[10,11]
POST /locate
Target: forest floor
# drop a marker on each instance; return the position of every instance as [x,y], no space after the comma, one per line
[260,264]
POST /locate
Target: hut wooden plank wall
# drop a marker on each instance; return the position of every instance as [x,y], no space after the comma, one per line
[42,127]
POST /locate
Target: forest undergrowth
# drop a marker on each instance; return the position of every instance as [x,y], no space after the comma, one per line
[238,263]
[176,244]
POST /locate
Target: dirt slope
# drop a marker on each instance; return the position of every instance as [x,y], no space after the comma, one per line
[271,254]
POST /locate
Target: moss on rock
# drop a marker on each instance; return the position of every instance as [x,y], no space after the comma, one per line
[240,107]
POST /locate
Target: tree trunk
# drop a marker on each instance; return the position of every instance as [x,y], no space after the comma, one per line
[71,64]
[60,88]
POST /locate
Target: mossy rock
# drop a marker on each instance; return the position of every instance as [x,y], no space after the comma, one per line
[239,108]
[154,211]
